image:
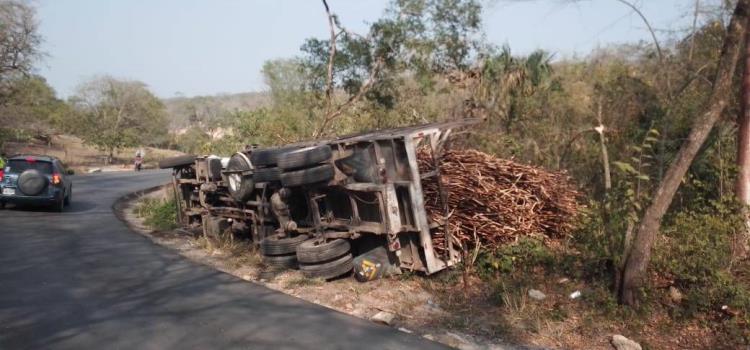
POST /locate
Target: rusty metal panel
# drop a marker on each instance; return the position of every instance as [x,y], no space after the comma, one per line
[420,214]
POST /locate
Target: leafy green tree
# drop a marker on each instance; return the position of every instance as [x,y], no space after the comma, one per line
[194,141]
[119,113]
[415,37]
[31,105]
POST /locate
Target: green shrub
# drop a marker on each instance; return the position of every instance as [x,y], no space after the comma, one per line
[159,214]
[599,245]
[696,252]
[523,255]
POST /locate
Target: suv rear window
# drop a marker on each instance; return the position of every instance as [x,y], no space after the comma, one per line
[18,166]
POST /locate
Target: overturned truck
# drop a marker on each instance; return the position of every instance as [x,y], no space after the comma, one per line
[327,206]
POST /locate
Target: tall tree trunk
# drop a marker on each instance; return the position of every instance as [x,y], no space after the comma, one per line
[603,143]
[742,188]
[640,253]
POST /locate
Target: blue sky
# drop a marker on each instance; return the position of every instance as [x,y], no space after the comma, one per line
[202,47]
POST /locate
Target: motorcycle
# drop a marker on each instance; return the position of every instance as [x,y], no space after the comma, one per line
[138,163]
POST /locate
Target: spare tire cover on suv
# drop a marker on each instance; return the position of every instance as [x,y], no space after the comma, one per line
[31,182]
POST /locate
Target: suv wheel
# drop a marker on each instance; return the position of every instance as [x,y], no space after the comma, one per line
[59,205]
[68,197]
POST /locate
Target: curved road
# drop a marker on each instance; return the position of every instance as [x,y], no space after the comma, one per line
[82,280]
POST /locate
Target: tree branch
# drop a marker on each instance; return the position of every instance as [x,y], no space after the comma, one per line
[332,113]
[331,57]
[648,25]
[362,90]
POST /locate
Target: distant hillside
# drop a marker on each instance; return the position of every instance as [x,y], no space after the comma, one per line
[187,111]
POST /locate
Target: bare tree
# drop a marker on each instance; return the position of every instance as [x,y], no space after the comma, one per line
[331,112]
[19,38]
[19,45]
[640,252]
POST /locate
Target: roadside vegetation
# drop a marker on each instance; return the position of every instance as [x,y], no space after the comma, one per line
[160,213]
[616,120]
[648,130]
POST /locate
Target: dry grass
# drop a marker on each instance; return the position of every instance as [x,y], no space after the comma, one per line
[238,253]
[80,156]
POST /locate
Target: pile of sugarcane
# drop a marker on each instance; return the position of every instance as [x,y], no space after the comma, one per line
[493,201]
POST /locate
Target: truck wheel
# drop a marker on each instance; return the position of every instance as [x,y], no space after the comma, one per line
[267,174]
[304,157]
[268,156]
[281,261]
[214,169]
[328,270]
[240,186]
[273,245]
[260,232]
[316,252]
[320,173]
[175,162]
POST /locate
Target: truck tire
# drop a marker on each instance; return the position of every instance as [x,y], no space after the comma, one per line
[273,245]
[304,157]
[31,182]
[320,173]
[240,186]
[328,270]
[267,174]
[260,232]
[214,169]
[281,261]
[176,162]
[316,252]
[268,156]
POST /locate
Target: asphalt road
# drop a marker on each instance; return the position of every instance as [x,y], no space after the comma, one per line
[82,280]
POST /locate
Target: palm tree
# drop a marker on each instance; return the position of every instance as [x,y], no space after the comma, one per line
[505,78]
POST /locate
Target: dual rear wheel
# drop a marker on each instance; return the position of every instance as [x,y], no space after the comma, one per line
[315,258]
[325,259]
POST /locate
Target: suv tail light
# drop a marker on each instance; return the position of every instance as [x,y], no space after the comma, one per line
[2,175]
[56,180]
